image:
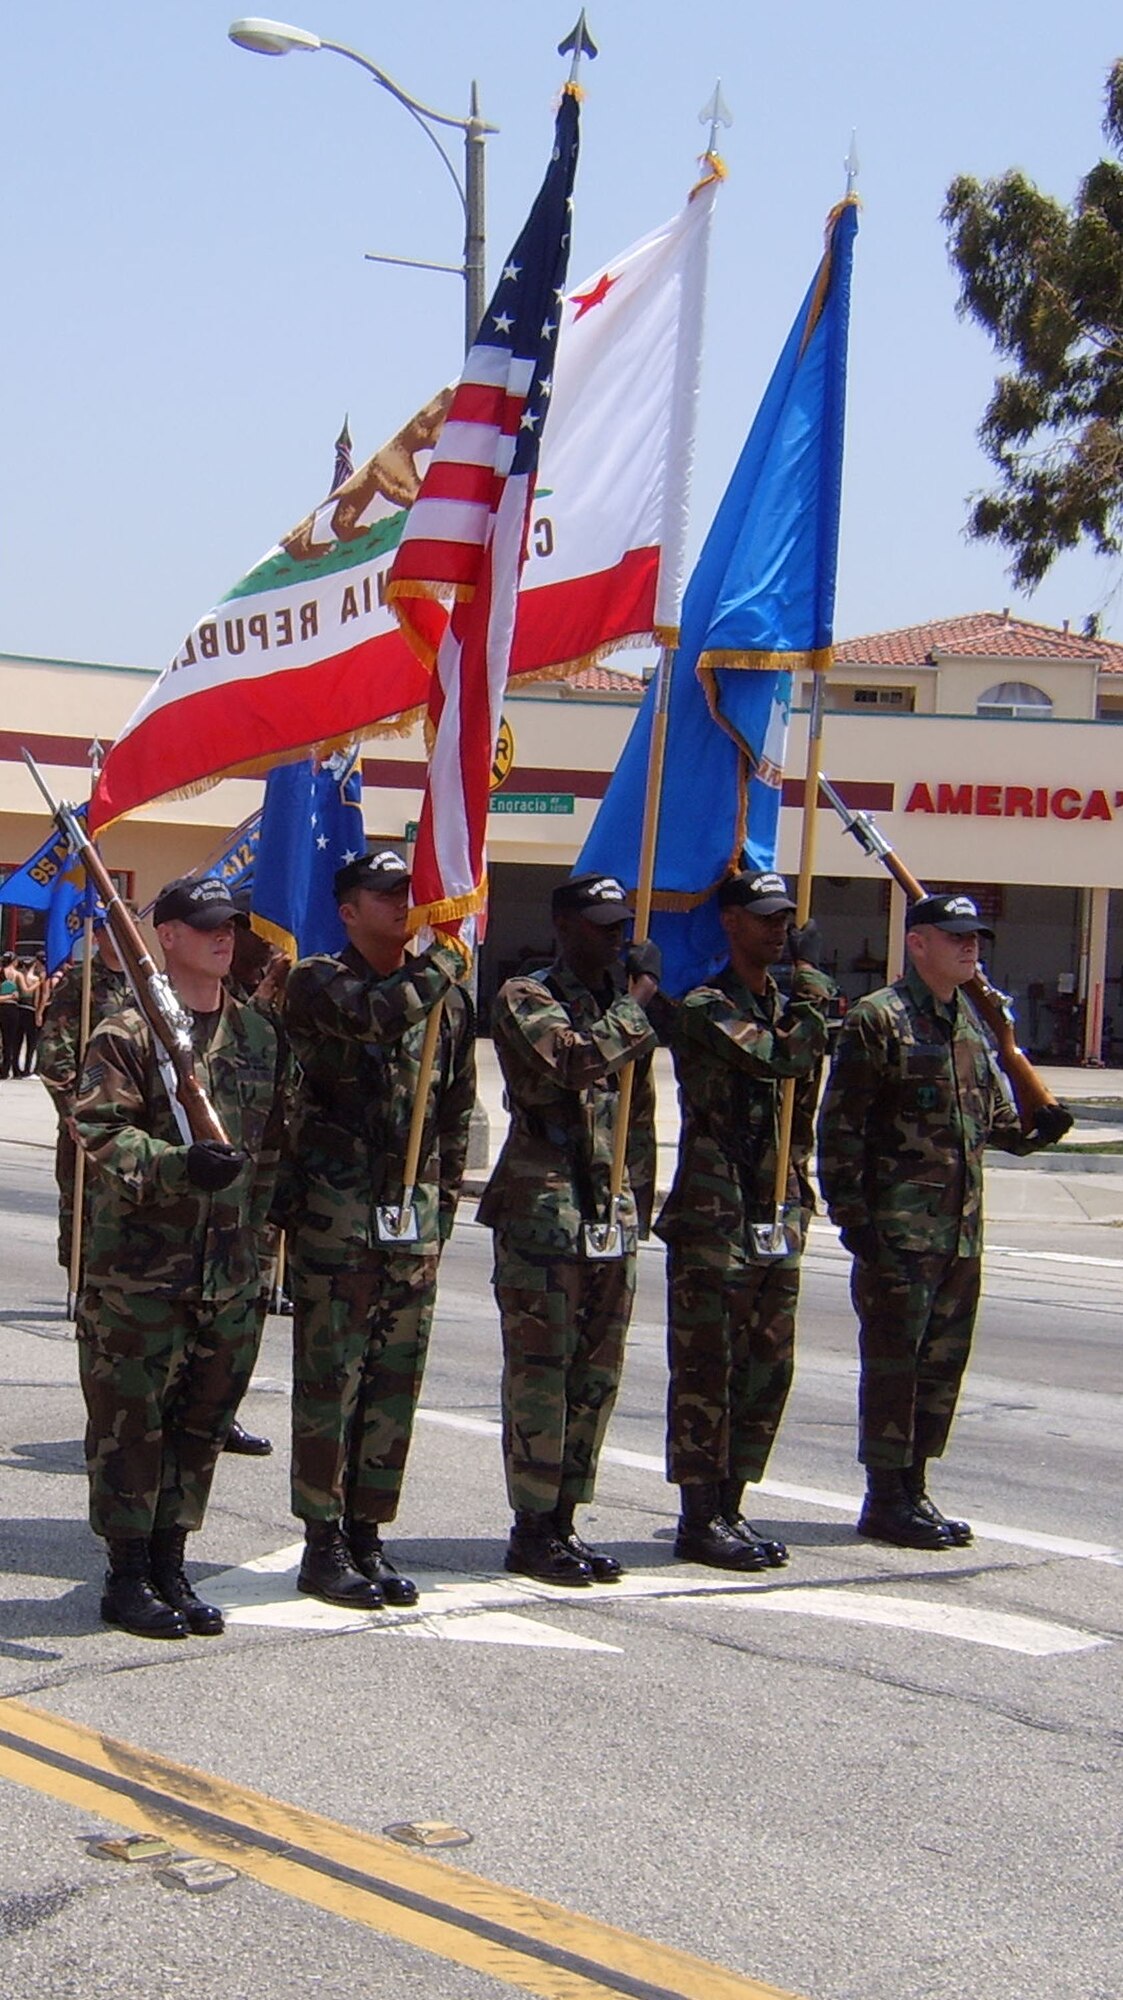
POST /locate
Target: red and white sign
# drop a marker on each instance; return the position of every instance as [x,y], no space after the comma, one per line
[990,801]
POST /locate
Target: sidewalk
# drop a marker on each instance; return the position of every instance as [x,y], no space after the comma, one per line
[1051,1188]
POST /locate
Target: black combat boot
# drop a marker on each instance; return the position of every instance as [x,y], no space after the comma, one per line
[239,1439]
[370,1558]
[916,1486]
[703,1536]
[729,1500]
[603,1568]
[535,1549]
[888,1514]
[170,1579]
[327,1571]
[129,1600]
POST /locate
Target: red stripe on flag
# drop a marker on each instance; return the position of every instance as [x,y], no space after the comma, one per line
[477,403]
[451,479]
[222,729]
[586,615]
[438,562]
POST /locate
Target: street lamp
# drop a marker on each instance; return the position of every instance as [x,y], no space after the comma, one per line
[276,38]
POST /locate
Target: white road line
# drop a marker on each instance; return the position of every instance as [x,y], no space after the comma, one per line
[456,1607]
[824,1238]
[461,1608]
[1035,1636]
[816,1496]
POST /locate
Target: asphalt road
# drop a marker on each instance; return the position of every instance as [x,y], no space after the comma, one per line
[872,1776]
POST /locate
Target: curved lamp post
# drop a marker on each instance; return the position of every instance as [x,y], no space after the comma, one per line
[277,38]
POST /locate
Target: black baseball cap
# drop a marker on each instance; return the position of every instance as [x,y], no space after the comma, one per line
[761,895]
[599,898]
[956,914]
[201,901]
[383,872]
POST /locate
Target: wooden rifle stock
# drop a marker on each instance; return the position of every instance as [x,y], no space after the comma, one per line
[1031,1094]
[155,995]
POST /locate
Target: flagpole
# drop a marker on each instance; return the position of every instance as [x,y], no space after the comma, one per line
[803,892]
[649,839]
[716,113]
[85,1008]
[806,871]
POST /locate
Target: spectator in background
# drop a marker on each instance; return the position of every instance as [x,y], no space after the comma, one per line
[9,1015]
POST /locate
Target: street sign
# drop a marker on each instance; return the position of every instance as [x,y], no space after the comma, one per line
[531,802]
[504,755]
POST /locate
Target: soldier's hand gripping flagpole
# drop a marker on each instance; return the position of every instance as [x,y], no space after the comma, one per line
[1031,1093]
[155,995]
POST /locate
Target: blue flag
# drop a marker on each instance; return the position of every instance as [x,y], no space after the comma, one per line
[236,862]
[54,880]
[311,824]
[759,605]
[30,887]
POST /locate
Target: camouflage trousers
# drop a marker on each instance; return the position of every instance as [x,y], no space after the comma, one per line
[564,1321]
[66,1154]
[360,1337]
[916,1315]
[731,1353]
[162,1379]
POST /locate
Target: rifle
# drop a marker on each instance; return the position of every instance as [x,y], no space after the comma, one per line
[155,995]
[995,1009]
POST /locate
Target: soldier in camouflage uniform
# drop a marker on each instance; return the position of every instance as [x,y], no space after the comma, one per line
[730,1311]
[363,1305]
[562,1037]
[167,1323]
[257,977]
[913,1099]
[58,1063]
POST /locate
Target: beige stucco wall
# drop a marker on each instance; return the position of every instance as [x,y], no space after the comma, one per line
[1069,762]
[1077,765]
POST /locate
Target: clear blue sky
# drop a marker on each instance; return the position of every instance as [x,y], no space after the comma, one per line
[187,313]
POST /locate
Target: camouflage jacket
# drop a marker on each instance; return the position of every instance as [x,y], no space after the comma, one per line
[732,1048]
[912,1099]
[149,1229]
[357,1039]
[561,1048]
[56,1056]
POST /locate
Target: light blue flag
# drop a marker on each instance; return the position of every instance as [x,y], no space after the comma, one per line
[311,825]
[759,605]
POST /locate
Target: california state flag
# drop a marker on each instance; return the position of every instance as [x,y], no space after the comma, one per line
[303,652]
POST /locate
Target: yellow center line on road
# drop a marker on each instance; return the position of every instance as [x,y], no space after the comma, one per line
[520,1940]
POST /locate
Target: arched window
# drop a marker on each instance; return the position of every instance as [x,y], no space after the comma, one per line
[1015,701]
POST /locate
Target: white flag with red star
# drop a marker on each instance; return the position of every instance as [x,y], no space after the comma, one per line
[608,525]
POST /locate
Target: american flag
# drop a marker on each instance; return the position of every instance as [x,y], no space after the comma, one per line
[465,538]
[344,465]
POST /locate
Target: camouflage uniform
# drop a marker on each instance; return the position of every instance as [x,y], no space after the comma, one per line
[362,1310]
[167,1323]
[730,1316]
[58,1052]
[564,1317]
[912,1100]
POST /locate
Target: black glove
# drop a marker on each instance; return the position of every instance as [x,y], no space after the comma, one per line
[644,961]
[861,1242]
[212,1166]
[806,944]
[1052,1122]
